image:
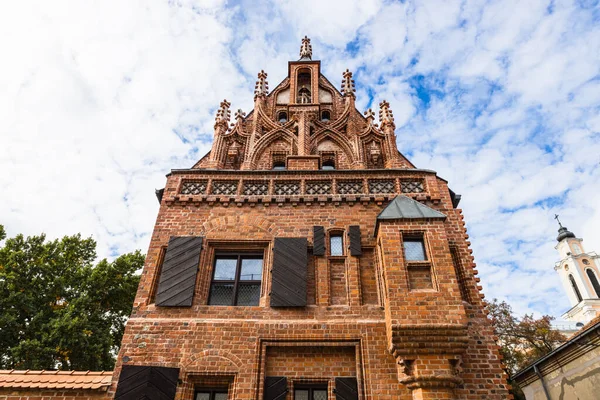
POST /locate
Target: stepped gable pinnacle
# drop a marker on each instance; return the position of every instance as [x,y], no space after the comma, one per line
[305,50]
[262,86]
[386,117]
[370,116]
[223,113]
[348,88]
[563,232]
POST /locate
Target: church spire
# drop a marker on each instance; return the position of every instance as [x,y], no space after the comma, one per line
[305,50]
[563,232]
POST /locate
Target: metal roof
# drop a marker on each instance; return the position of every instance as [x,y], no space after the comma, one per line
[403,207]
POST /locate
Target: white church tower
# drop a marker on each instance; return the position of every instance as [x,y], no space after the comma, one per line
[579,272]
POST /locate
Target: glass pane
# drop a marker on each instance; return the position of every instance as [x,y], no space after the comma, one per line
[413,250]
[301,394]
[220,396]
[336,246]
[225,269]
[202,396]
[251,269]
[221,294]
[320,394]
[248,295]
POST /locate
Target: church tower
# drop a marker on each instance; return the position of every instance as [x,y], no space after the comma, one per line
[305,258]
[579,273]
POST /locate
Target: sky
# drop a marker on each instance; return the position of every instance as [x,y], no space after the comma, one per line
[100,99]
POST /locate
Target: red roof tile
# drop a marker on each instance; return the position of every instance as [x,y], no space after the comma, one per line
[55,379]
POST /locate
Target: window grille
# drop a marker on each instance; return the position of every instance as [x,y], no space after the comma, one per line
[385,186]
[193,187]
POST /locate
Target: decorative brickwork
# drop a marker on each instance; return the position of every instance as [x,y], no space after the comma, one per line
[411,187]
[287,188]
[194,187]
[381,186]
[256,188]
[318,187]
[385,323]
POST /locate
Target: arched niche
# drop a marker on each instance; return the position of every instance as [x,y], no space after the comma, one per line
[303,86]
[283,97]
[328,147]
[279,146]
[325,96]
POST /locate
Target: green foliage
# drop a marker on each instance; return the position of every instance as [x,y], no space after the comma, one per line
[522,340]
[58,309]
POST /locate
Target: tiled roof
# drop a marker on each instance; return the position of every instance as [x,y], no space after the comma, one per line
[55,379]
[403,207]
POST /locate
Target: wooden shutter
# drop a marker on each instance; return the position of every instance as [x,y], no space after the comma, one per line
[318,241]
[178,273]
[355,247]
[275,388]
[289,273]
[346,389]
[140,382]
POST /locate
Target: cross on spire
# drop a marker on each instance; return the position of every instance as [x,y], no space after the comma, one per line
[305,49]
[558,220]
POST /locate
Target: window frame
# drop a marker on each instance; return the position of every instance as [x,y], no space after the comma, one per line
[339,234]
[596,287]
[238,256]
[415,238]
[311,387]
[211,392]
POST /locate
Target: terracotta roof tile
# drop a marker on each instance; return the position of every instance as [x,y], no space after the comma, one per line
[91,380]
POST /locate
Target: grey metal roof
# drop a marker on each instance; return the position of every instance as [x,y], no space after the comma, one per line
[403,207]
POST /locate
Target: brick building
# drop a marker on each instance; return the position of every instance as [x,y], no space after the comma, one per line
[304,258]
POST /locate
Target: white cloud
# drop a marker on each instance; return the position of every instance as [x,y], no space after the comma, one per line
[98,101]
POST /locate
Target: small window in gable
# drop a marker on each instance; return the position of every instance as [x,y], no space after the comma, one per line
[282,117]
[325,116]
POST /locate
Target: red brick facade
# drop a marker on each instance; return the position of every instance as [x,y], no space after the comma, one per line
[403,329]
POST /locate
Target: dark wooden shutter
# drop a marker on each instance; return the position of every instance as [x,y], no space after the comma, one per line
[355,247]
[318,241]
[140,382]
[346,389]
[178,273]
[275,388]
[289,273]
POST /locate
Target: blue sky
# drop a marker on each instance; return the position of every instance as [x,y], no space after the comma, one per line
[99,100]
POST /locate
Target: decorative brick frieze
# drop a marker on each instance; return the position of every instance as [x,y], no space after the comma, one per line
[256,188]
[381,186]
[412,186]
[228,188]
[194,187]
[318,187]
[287,188]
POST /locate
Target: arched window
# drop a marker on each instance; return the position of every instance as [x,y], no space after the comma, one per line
[325,116]
[575,288]
[282,117]
[592,275]
[304,87]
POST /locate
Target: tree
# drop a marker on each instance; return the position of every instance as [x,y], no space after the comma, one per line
[59,311]
[522,340]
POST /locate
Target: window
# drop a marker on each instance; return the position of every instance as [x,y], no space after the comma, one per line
[209,394]
[325,116]
[336,244]
[576,249]
[594,281]
[313,392]
[236,280]
[414,249]
[282,117]
[279,165]
[575,288]
[328,165]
